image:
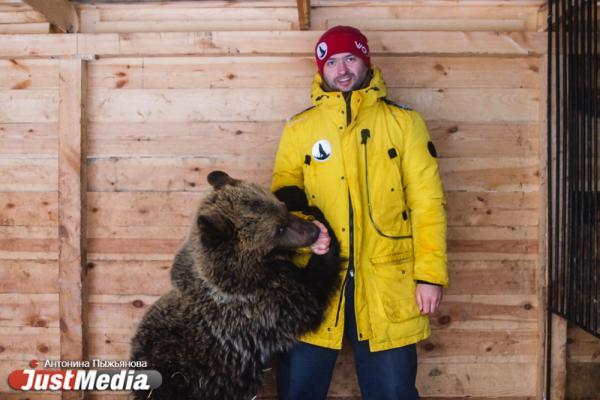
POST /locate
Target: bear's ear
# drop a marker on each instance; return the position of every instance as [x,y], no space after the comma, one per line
[215,228]
[218,179]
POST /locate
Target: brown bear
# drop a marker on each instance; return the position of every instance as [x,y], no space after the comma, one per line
[237,298]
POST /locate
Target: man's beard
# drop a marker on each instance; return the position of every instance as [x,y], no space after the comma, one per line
[357,86]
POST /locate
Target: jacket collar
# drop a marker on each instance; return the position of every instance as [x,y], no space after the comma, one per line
[375,90]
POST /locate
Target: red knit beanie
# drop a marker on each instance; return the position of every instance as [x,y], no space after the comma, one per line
[341,39]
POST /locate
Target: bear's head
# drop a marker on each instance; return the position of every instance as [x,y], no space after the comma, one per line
[238,225]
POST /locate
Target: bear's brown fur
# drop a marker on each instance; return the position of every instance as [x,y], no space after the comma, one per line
[237,300]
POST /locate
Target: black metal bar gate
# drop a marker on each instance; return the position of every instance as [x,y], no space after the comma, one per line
[573,197]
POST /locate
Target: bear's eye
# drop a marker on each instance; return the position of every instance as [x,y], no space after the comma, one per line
[280,230]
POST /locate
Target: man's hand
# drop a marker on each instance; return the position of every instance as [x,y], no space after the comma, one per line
[429,298]
[321,246]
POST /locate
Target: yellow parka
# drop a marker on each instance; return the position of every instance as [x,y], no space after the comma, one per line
[370,166]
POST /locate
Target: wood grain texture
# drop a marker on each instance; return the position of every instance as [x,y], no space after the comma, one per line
[298,72]
[266,42]
[29,175]
[241,105]
[28,74]
[36,46]
[29,139]
[29,106]
[72,206]
[29,276]
[19,29]
[29,310]
[260,139]
[29,343]
[19,14]
[582,346]
[28,209]
[327,14]
[191,25]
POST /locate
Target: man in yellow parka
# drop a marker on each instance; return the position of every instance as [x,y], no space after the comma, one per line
[370,166]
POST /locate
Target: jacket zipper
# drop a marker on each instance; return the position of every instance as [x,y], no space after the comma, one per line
[347,98]
[350,259]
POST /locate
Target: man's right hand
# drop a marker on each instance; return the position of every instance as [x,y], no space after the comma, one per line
[321,246]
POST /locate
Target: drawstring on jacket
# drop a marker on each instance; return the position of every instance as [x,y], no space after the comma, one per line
[365,135]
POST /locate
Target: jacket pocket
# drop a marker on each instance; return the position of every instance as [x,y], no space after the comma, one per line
[397,258]
[395,286]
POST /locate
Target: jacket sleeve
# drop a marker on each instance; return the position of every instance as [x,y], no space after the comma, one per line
[288,162]
[425,198]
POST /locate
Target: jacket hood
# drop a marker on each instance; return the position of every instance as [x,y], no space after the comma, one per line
[375,90]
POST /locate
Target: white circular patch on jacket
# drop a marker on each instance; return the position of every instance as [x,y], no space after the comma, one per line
[322,50]
[321,150]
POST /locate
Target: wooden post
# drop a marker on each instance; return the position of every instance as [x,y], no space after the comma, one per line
[558,389]
[304,14]
[542,264]
[72,190]
[60,13]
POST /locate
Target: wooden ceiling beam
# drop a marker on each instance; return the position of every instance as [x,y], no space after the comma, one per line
[304,14]
[60,13]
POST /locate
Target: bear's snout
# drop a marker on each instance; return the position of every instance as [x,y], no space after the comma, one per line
[314,232]
[299,233]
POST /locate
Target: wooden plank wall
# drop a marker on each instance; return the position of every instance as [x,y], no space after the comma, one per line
[583,364]
[163,110]
[19,18]
[29,305]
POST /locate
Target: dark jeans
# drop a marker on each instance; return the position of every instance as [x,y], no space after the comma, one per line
[304,373]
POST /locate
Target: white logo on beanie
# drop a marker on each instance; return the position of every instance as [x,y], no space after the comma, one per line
[361,47]
[322,50]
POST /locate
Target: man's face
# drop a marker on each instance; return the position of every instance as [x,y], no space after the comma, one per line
[344,72]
